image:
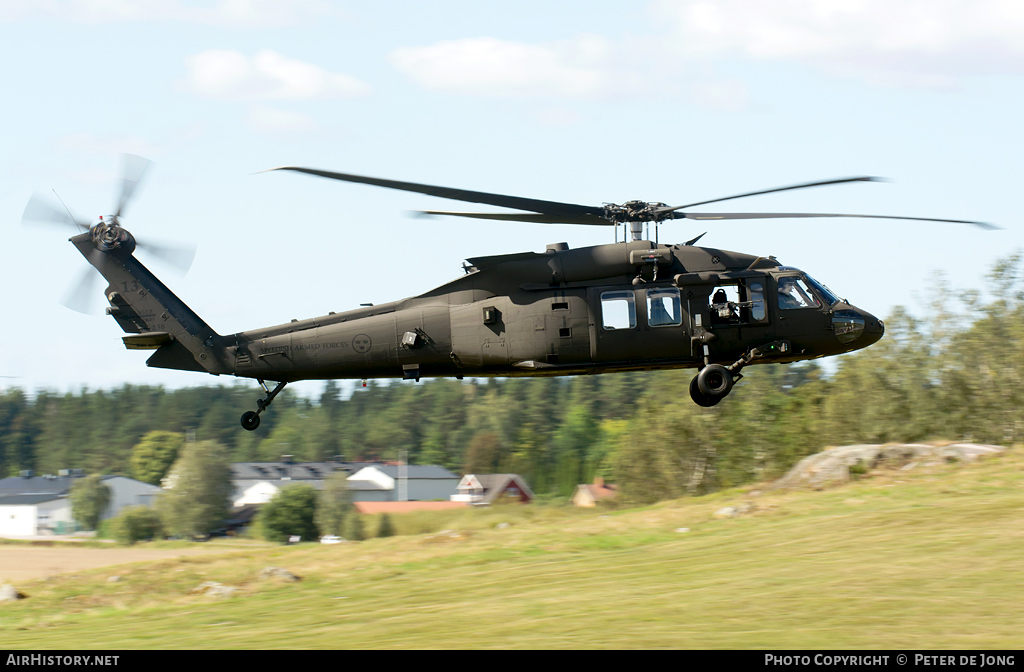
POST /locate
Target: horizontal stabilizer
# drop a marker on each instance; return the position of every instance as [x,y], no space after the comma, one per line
[150,340]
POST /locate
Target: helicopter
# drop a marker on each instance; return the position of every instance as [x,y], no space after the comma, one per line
[632,305]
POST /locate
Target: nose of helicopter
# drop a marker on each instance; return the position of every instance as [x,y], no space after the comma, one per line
[874,329]
[856,328]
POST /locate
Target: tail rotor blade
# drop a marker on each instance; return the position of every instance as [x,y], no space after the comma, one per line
[40,210]
[135,168]
[81,295]
[178,257]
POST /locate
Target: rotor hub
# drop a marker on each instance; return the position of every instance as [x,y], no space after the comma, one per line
[634,211]
[109,236]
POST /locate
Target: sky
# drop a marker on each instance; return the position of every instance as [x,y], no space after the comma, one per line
[582,102]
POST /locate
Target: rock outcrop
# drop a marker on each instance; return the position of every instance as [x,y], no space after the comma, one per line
[9,593]
[834,465]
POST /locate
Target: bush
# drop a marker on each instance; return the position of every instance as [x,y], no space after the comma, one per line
[104,529]
[289,513]
[135,523]
[154,454]
[197,497]
[334,504]
[385,528]
[354,529]
[90,497]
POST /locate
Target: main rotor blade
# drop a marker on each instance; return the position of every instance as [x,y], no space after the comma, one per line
[178,256]
[134,169]
[783,215]
[523,217]
[770,191]
[41,210]
[530,204]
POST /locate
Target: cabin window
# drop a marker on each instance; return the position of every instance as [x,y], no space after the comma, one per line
[725,305]
[618,310]
[793,293]
[663,307]
[755,293]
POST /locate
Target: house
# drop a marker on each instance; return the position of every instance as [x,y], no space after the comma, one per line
[32,505]
[415,483]
[258,482]
[590,495]
[480,489]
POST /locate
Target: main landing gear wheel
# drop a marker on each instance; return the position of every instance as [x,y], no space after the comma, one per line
[699,397]
[714,381]
[250,420]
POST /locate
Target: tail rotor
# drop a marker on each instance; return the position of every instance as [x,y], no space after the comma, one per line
[40,210]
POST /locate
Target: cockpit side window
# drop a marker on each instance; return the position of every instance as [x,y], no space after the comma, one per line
[663,307]
[823,291]
[794,293]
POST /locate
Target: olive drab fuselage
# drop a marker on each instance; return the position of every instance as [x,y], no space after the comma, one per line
[619,307]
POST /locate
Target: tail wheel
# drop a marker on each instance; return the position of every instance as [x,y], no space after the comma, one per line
[714,380]
[250,420]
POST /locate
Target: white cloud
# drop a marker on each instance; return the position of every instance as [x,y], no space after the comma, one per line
[230,75]
[913,42]
[254,13]
[919,43]
[106,145]
[576,68]
[272,120]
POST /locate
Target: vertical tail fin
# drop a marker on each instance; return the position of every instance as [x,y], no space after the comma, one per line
[153,316]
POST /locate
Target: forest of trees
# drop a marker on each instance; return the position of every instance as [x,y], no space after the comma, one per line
[956,374]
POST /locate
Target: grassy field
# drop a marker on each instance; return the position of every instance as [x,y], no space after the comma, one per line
[926,558]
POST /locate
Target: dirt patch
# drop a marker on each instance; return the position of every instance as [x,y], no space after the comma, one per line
[23,563]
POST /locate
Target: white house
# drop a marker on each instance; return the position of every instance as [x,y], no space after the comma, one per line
[29,515]
[258,482]
[414,483]
[32,505]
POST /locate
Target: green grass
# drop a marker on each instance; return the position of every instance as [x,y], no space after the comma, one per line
[929,558]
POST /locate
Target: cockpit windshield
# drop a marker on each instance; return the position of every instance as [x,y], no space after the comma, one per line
[793,293]
[823,291]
